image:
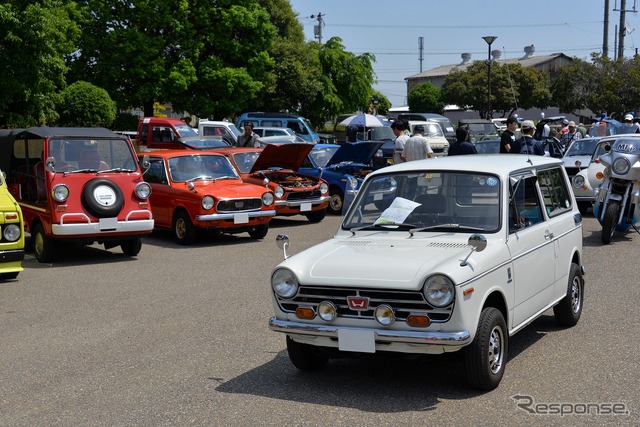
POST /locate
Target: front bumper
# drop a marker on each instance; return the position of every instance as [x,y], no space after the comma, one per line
[456,339]
[232,215]
[298,203]
[103,226]
[12,256]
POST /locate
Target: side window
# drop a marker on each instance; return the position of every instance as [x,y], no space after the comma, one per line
[271,123]
[296,126]
[555,192]
[144,134]
[156,172]
[525,207]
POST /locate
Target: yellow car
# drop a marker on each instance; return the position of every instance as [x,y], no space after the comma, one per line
[12,234]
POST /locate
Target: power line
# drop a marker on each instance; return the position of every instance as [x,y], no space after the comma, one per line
[457,27]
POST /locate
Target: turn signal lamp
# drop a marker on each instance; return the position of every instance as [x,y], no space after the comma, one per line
[418,320]
[11,216]
[305,313]
[599,175]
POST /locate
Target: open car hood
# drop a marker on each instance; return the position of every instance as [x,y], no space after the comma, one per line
[285,156]
[359,152]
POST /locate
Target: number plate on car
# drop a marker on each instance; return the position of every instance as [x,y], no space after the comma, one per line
[108,224]
[241,218]
[305,207]
[356,340]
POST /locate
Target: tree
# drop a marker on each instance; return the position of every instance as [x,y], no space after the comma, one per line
[383,104]
[426,98]
[83,104]
[34,38]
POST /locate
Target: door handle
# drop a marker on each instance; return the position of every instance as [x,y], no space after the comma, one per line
[548,235]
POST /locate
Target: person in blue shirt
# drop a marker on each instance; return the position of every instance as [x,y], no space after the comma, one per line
[462,144]
[526,144]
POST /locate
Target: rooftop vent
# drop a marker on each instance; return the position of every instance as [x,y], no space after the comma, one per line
[466,57]
[529,51]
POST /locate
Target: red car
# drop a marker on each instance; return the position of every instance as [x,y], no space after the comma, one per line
[275,166]
[194,190]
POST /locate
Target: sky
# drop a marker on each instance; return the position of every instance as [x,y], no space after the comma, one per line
[390,31]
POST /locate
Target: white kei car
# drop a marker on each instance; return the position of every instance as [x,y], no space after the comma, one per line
[467,251]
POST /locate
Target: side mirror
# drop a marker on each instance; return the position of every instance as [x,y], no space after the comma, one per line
[282,240]
[145,162]
[50,164]
[478,243]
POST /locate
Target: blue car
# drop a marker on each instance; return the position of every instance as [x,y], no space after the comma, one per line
[343,166]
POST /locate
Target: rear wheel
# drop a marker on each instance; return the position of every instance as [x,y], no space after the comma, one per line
[260,231]
[131,247]
[44,247]
[305,357]
[567,312]
[609,222]
[183,229]
[336,202]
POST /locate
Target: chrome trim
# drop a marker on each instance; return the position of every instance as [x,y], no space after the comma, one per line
[94,228]
[300,202]
[459,338]
[218,217]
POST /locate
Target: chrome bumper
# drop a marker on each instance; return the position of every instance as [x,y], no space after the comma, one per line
[103,226]
[297,203]
[232,215]
[459,338]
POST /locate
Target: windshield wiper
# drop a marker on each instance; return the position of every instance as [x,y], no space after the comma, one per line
[80,171]
[201,177]
[224,177]
[384,226]
[450,225]
[116,170]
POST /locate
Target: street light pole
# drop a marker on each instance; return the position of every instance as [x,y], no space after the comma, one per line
[489,40]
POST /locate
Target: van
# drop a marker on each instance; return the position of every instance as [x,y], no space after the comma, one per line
[227,130]
[444,122]
[76,185]
[301,126]
[433,132]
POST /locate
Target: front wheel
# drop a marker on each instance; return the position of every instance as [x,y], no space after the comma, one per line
[44,247]
[336,202]
[609,222]
[183,229]
[316,216]
[305,357]
[131,247]
[567,312]
[260,231]
[486,356]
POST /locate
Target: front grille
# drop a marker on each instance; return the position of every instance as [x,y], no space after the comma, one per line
[304,195]
[403,303]
[239,205]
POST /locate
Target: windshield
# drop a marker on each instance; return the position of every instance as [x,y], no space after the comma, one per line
[482,128]
[582,147]
[321,156]
[204,143]
[433,130]
[91,154]
[185,130]
[203,166]
[442,201]
[245,160]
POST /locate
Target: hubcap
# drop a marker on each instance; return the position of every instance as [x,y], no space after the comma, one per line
[38,245]
[336,203]
[496,350]
[181,228]
[576,300]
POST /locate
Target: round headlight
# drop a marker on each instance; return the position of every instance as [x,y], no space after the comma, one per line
[207,202]
[384,315]
[267,199]
[60,192]
[143,190]
[11,232]
[284,283]
[279,192]
[621,166]
[578,181]
[353,182]
[439,290]
[324,188]
[379,153]
[327,311]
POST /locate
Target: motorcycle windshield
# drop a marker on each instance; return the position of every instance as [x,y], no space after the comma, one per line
[626,146]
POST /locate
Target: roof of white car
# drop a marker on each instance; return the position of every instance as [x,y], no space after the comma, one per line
[501,164]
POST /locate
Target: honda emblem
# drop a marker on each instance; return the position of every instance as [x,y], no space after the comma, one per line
[358,303]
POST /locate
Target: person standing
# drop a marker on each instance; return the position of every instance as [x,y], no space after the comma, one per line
[629,126]
[526,144]
[417,147]
[401,138]
[462,144]
[508,136]
[248,138]
[571,135]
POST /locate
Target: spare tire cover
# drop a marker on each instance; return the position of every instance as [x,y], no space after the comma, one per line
[102,198]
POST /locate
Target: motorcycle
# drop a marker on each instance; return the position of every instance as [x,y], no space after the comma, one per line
[616,199]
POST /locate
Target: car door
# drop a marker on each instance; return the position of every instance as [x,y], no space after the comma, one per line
[161,207]
[531,248]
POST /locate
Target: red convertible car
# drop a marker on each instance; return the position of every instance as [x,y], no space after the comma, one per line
[201,190]
[275,166]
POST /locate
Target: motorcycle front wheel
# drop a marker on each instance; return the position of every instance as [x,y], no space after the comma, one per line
[609,222]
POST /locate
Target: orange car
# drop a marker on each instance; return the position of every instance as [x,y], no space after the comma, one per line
[275,166]
[194,190]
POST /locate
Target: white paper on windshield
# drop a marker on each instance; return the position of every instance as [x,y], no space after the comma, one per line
[397,212]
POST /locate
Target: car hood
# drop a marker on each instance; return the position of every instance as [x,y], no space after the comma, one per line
[570,161]
[285,156]
[402,263]
[228,189]
[360,152]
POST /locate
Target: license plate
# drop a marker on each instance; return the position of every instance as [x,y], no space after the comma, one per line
[108,224]
[356,340]
[305,207]
[241,218]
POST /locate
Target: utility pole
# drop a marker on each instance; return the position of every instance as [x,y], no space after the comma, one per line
[420,49]
[605,32]
[623,24]
[317,29]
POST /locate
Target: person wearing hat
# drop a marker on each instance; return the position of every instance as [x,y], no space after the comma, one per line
[629,126]
[417,147]
[526,144]
[565,126]
[571,135]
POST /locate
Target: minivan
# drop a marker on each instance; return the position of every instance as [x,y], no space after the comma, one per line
[301,126]
[444,122]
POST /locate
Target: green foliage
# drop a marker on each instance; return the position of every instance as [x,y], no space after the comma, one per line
[83,104]
[383,103]
[34,37]
[125,121]
[425,97]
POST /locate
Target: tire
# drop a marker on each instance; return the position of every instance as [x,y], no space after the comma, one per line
[131,247]
[316,216]
[102,198]
[260,231]
[486,356]
[609,222]
[9,276]
[567,312]
[336,202]
[305,357]
[44,247]
[183,229]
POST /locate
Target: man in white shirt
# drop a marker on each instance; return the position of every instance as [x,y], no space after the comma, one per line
[417,147]
[401,138]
